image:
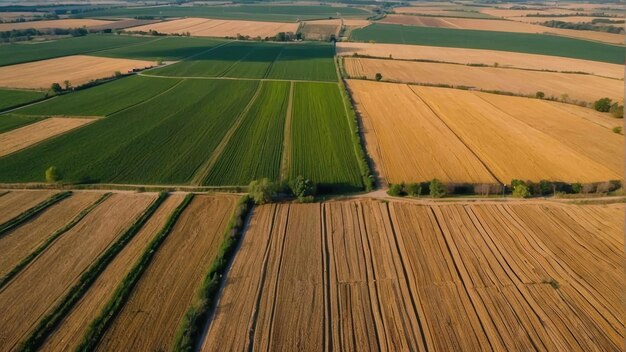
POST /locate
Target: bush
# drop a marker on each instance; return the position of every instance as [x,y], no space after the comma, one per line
[378,76]
[413,189]
[577,187]
[52,175]
[262,191]
[617,130]
[602,105]
[436,188]
[540,95]
[56,88]
[302,188]
[520,190]
[617,111]
[395,190]
[545,187]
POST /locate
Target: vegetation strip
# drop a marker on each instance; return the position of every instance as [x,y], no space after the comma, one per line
[286,157]
[47,325]
[190,328]
[8,276]
[99,325]
[28,214]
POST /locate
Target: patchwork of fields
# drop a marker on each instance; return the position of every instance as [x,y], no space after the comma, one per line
[400,276]
[463,136]
[15,98]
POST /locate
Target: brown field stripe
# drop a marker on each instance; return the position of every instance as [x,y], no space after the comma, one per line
[204,169]
[286,158]
[29,213]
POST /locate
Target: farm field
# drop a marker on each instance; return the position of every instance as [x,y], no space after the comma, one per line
[491,40]
[10,122]
[169,284]
[310,61]
[320,29]
[524,130]
[41,286]
[19,53]
[24,137]
[77,69]
[162,48]
[68,335]
[203,27]
[481,57]
[10,98]
[522,82]
[401,276]
[501,26]
[569,19]
[14,203]
[278,13]
[64,24]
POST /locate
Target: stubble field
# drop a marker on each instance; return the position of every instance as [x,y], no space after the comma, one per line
[65,23]
[203,27]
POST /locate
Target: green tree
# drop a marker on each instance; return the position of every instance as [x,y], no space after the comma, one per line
[302,188]
[52,175]
[617,130]
[520,190]
[617,111]
[540,95]
[437,189]
[395,190]
[545,187]
[577,187]
[262,191]
[55,87]
[67,85]
[378,76]
[413,189]
[602,105]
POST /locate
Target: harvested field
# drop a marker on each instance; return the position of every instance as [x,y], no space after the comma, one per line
[320,29]
[202,27]
[483,57]
[72,329]
[77,69]
[16,202]
[20,242]
[486,127]
[169,284]
[402,276]
[122,24]
[64,24]
[40,286]
[506,13]
[570,19]
[24,137]
[12,16]
[579,87]
[500,26]
[355,23]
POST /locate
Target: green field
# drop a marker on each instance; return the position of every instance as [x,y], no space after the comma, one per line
[11,121]
[255,149]
[306,61]
[10,98]
[162,48]
[505,41]
[321,146]
[280,13]
[32,51]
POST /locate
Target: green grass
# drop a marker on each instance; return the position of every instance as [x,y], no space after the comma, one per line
[14,98]
[305,61]
[321,146]
[162,48]
[101,100]
[280,13]
[11,121]
[504,41]
[161,141]
[32,51]
[255,149]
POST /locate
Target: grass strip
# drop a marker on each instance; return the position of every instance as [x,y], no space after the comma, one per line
[100,324]
[8,276]
[49,322]
[191,325]
[25,216]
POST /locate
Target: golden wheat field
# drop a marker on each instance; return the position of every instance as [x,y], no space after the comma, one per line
[403,276]
[490,137]
[203,27]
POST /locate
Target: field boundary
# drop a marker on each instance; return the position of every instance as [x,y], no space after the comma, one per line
[29,213]
[203,171]
[286,157]
[50,240]
[51,320]
[100,324]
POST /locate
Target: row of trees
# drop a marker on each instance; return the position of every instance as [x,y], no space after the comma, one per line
[607,105]
[585,26]
[436,189]
[265,191]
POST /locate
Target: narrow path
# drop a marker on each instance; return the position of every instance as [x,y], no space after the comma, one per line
[205,168]
[286,158]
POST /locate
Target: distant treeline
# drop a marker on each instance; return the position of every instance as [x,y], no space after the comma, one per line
[27,34]
[587,26]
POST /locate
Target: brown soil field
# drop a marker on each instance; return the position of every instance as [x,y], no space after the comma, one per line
[78,69]
[40,286]
[514,138]
[11,16]
[24,137]
[169,284]
[368,275]
[14,203]
[202,27]
[66,23]
[19,243]
[485,57]
[70,332]
[320,29]
[356,23]
[122,24]
[580,87]
[500,26]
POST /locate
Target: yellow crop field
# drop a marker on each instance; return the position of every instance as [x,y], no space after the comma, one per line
[408,144]
[202,27]
[64,24]
[522,82]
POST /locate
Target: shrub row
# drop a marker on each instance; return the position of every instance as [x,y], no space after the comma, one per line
[8,276]
[25,216]
[99,325]
[190,328]
[52,319]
